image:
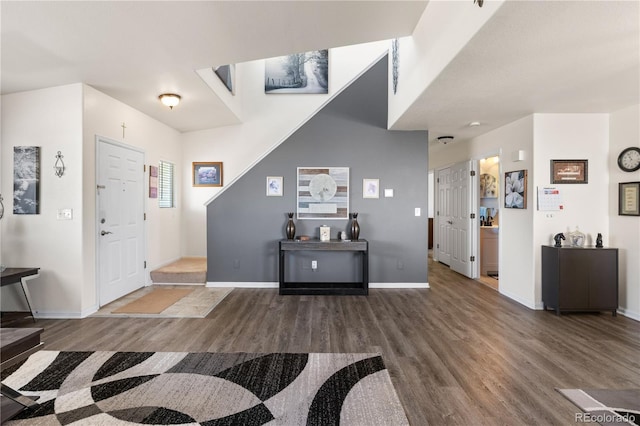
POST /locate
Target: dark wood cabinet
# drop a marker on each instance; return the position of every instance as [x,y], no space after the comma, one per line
[580,279]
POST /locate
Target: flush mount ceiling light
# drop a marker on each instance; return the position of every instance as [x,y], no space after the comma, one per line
[474,124]
[169,99]
[445,139]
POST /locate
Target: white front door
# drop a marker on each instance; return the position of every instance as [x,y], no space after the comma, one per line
[461,236]
[443,216]
[120,217]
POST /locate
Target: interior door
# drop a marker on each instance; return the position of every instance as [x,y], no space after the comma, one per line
[120,220]
[443,216]
[461,235]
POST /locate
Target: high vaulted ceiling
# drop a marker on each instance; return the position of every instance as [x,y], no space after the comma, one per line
[532,56]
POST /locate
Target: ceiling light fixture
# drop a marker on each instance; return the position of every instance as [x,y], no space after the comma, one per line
[170,99]
[474,124]
[445,139]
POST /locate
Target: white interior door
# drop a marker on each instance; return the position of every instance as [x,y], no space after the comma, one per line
[443,216]
[120,220]
[461,236]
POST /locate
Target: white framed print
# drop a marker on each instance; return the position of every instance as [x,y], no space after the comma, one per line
[370,188]
[274,186]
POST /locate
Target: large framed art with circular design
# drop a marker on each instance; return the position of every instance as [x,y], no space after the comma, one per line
[323,193]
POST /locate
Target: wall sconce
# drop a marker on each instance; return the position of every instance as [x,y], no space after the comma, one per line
[59,165]
[170,99]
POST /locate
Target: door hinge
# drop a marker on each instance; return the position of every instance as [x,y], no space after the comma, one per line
[438,245]
[438,180]
[438,213]
[472,258]
[145,216]
[144,167]
[472,172]
[145,264]
[473,215]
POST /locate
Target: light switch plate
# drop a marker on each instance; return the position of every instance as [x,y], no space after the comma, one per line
[65,214]
[388,193]
[418,211]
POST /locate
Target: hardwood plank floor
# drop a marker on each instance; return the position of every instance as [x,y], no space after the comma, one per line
[458,353]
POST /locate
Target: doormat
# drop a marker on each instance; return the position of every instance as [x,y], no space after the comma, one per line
[197,304]
[155,302]
[605,406]
[90,388]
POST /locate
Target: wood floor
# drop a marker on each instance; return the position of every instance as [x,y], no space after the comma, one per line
[458,353]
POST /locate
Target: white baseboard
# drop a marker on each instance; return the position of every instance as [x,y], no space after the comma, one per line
[399,285]
[243,284]
[266,284]
[521,301]
[159,284]
[629,313]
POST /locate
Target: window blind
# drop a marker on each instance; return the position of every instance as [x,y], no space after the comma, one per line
[165,185]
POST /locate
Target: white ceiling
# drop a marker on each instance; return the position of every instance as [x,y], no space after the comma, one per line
[134,51]
[532,56]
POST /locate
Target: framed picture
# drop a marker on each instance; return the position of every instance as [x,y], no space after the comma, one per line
[274,186]
[306,72]
[323,193]
[488,186]
[153,182]
[569,171]
[515,189]
[207,174]
[370,188]
[629,199]
[26,180]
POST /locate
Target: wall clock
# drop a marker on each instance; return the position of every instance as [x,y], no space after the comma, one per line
[629,159]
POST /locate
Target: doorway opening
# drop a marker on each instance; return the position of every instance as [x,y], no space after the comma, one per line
[489,221]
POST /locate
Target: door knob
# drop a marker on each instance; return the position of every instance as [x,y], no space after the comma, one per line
[103,233]
[450,222]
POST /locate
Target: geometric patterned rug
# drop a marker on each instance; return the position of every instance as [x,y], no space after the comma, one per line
[182,388]
[605,406]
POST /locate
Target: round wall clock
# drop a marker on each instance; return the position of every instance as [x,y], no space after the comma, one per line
[322,187]
[629,159]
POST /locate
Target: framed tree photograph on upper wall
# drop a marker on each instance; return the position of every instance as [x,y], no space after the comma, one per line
[306,72]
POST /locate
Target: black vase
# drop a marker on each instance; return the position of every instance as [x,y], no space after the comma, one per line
[291,227]
[355,227]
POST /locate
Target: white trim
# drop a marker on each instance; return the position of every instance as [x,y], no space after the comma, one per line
[275,284]
[521,301]
[399,285]
[67,315]
[629,313]
[243,284]
[295,129]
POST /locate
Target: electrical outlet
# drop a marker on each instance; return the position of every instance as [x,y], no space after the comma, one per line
[314,264]
[65,214]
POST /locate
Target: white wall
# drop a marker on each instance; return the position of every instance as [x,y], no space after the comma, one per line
[443,30]
[51,119]
[67,119]
[624,231]
[104,116]
[571,136]
[516,255]
[268,121]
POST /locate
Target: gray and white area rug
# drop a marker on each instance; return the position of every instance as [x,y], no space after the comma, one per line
[181,388]
[605,406]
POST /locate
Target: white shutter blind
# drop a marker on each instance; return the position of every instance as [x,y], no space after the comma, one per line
[165,185]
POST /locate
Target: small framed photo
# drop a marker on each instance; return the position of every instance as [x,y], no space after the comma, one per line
[629,199]
[370,188]
[274,186]
[207,173]
[569,171]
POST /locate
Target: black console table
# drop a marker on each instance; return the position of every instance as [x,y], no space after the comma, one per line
[580,279]
[358,288]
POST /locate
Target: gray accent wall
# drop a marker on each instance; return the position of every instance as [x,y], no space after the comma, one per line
[244,225]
